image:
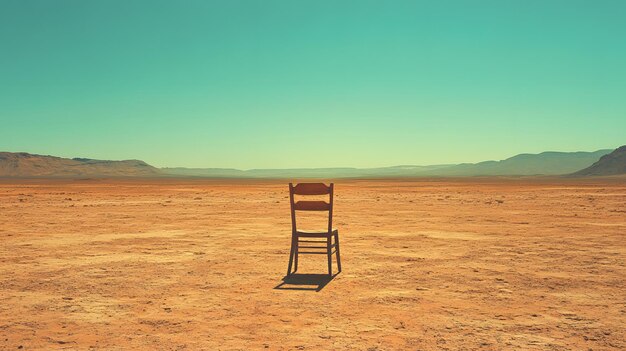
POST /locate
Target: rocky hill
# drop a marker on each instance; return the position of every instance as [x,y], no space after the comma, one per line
[21,164]
[611,164]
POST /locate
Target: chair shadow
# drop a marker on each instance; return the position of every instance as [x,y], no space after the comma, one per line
[310,282]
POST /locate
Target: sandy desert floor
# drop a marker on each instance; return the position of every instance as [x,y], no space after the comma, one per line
[427,265]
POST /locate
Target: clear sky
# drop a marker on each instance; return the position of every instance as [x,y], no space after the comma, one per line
[260,84]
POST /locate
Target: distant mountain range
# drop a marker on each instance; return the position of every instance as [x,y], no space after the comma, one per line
[545,163]
[343,172]
[602,162]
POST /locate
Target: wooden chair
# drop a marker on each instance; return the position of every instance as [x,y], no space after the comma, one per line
[310,241]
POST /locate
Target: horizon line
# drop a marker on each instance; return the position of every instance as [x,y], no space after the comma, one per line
[312,168]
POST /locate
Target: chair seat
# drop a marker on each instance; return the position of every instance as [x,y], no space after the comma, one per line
[315,234]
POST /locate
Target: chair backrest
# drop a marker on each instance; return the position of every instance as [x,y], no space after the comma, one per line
[304,205]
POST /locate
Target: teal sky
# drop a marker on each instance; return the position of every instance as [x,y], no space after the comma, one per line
[259,84]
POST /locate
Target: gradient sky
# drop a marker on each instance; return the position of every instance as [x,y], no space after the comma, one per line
[259,84]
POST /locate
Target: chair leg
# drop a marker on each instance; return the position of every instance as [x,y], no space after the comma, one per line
[291,253]
[330,255]
[297,251]
[337,249]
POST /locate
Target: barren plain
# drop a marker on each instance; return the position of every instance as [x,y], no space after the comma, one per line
[476,264]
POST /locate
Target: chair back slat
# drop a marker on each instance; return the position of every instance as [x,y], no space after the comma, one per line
[311,189]
[311,206]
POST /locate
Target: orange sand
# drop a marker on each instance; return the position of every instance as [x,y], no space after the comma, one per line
[427,265]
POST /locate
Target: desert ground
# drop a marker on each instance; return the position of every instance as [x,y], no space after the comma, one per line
[480,264]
